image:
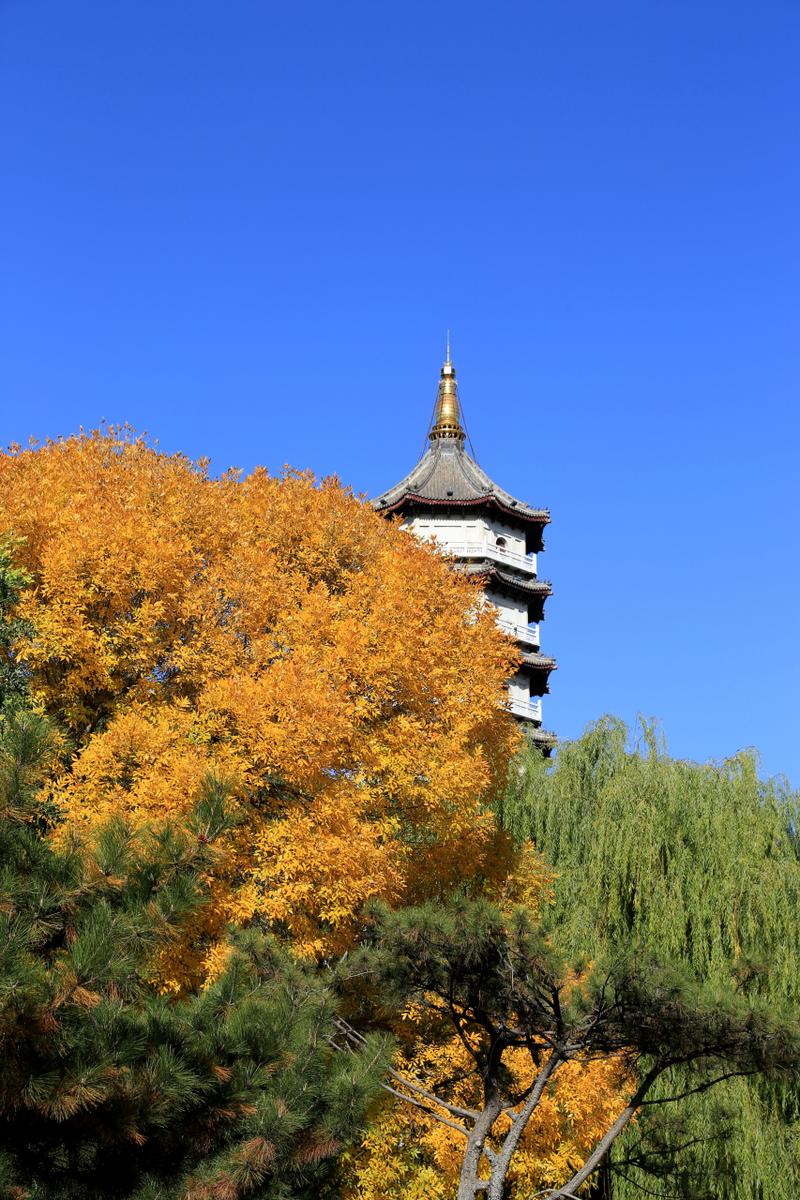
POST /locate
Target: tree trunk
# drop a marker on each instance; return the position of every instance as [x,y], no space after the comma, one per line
[470,1185]
[506,1152]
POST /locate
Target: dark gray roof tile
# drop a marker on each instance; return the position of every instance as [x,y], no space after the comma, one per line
[539,660]
[446,474]
[538,587]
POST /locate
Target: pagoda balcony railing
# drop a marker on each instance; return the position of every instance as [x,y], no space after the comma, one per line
[529,709]
[489,549]
[529,634]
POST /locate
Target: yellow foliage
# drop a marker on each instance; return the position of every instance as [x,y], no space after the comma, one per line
[408,1153]
[528,884]
[277,631]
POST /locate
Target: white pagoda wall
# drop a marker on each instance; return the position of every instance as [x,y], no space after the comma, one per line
[514,612]
[454,533]
[449,530]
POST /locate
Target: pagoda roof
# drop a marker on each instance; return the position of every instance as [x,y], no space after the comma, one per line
[539,667]
[448,477]
[540,662]
[522,587]
[541,737]
[517,582]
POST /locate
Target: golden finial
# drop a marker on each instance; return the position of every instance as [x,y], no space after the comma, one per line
[447,414]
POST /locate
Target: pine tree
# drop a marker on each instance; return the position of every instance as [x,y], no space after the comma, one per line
[699,864]
[109,1087]
[13,674]
[509,997]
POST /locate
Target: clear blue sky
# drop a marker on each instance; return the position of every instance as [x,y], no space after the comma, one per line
[245,226]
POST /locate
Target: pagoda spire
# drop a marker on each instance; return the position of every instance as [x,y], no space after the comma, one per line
[447,414]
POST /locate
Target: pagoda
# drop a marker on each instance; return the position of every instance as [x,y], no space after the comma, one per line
[449,499]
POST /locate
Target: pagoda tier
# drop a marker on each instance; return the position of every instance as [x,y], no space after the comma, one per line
[544,739]
[529,591]
[451,501]
[538,668]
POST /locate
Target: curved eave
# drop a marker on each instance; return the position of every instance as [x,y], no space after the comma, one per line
[521,584]
[535,518]
[538,667]
[446,471]
[539,662]
[517,587]
[543,738]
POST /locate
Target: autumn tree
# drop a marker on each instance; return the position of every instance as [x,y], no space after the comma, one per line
[277,632]
[524,1019]
[408,1153]
[700,865]
[274,630]
[111,1088]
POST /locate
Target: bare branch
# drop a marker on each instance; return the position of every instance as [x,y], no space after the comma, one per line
[412,1085]
[701,1087]
[594,1159]
[647,1191]
[426,1108]
[458,1026]
[520,1122]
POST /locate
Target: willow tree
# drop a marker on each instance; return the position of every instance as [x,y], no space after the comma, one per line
[700,863]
